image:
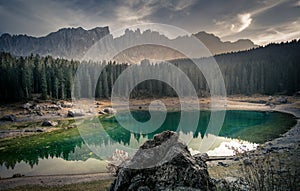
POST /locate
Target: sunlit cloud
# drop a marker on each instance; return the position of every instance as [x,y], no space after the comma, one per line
[233,25]
[244,20]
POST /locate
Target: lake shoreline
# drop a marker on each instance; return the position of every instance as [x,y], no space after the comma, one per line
[57,111]
[233,103]
[283,151]
[53,110]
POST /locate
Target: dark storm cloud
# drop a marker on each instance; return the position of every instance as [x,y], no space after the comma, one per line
[261,21]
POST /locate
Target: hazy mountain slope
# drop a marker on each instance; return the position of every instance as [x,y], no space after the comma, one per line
[216,46]
[73,43]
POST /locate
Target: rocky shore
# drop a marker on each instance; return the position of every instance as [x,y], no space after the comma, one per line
[274,165]
[45,115]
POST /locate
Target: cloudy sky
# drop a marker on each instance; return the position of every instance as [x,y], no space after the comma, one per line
[262,21]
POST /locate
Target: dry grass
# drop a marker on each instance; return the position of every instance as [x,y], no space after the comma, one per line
[273,172]
[99,185]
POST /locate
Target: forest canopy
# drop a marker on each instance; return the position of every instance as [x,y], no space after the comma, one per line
[273,69]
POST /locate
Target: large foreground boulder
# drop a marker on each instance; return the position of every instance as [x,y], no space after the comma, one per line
[163,163]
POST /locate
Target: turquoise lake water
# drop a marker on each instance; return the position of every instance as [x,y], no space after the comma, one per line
[66,152]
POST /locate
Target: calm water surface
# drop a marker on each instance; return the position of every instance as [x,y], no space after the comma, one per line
[65,151]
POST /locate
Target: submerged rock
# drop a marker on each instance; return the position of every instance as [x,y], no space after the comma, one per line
[163,163]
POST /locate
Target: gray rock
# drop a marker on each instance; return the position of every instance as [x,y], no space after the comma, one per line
[202,156]
[272,105]
[27,106]
[222,164]
[8,118]
[101,112]
[274,148]
[75,113]
[39,113]
[231,179]
[163,163]
[90,111]
[144,188]
[297,93]
[109,110]
[231,183]
[54,107]
[17,175]
[201,159]
[37,107]
[30,130]
[49,123]
[67,105]
[69,127]
[282,100]
[39,130]
[247,162]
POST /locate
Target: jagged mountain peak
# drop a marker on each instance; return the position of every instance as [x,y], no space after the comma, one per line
[80,30]
[203,33]
[73,43]
[70,43]
[217,46]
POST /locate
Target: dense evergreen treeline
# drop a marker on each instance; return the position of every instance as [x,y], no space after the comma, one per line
[266,70]
[273,69]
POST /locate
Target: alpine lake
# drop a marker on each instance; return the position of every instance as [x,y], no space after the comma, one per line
[86,147]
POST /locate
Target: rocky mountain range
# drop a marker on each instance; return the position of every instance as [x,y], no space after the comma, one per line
[68,43]
[76,43]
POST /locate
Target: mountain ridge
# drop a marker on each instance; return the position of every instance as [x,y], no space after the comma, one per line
[218,46]
[73,43]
